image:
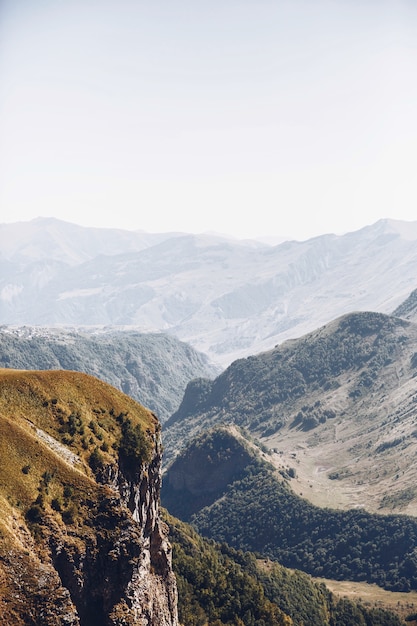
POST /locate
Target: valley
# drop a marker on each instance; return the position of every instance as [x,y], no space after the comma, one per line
[337,407]
[285,394]
[336,466]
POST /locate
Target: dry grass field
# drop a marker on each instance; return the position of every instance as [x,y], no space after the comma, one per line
[404,604]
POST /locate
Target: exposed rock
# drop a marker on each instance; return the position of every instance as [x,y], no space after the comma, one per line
[79,548]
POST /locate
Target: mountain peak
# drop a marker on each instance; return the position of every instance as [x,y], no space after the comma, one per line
[407,230]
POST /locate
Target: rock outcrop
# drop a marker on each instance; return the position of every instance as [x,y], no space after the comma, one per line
[81,539]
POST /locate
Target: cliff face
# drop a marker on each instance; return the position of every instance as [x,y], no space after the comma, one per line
[123,573]
[81,540]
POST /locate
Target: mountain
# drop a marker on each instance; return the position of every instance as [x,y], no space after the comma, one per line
[408,308]
[81,537]
[227,298]
[153,368]
[50,239]
[336,407]
[83,541]
[230,493]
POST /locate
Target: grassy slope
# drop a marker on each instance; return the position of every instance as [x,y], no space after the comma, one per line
[44,468]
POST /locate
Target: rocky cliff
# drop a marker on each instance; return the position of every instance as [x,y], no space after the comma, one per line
[81,539]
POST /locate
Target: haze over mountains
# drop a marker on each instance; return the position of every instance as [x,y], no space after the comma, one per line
[226,298]
[331,409]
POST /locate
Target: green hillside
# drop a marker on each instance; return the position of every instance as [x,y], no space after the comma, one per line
[219,585]
[337,405]
[255,509]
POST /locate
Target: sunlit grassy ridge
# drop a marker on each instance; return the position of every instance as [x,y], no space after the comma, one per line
[45,392]
[58,429]
[51,424]
[77,410]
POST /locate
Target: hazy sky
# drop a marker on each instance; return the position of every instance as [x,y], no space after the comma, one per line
[262,117]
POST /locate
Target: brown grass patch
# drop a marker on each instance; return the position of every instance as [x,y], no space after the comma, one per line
[401,603]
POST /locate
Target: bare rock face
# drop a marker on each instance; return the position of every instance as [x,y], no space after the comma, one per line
[122,575]
[151,592]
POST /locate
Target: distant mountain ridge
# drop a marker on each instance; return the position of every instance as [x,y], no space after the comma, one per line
[53,239]
[227,298]
[153,368]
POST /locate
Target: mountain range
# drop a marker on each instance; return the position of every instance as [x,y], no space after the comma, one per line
[227,298]
[84,542]
[284,377]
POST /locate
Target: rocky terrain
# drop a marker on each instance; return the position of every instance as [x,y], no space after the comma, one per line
[82,540]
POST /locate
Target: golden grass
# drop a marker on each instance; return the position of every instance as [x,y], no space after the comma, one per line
[50,423]
[35,437]
[21,390]
[50,400]
[402,603]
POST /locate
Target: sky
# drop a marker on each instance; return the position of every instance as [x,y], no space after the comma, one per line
[279,118]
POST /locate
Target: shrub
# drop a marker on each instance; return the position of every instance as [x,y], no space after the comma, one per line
[68,515]
[56,504]
[34,513]
[96,461]
[134,449]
